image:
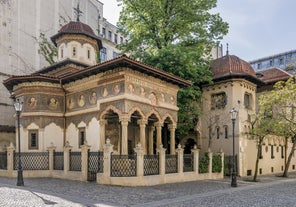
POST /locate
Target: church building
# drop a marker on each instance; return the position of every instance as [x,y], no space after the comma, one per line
[76,101]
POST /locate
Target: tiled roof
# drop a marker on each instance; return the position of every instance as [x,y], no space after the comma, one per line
[273,75]
[77,28]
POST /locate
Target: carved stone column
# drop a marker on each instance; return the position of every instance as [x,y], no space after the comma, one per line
[158,134]
[103,123]
[172,128]
[139,150]
[67,149]
[51,150]
[150,139]
[142,123]
[195,152]
[124,136]
[84,160]
[180,153]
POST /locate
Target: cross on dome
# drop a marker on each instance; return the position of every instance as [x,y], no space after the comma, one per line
[77,12]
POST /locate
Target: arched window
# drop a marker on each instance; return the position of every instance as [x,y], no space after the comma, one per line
[226,132]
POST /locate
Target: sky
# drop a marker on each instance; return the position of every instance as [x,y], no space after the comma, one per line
[257,28]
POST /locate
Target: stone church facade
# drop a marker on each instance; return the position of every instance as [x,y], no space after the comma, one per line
[78,102]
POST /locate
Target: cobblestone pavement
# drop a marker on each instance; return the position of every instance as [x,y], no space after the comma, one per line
[41,192]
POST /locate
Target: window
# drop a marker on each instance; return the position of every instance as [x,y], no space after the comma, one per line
[247,100]
[281,61]
[218,101]
[218,132]
[259,66]
[74,51]
[115,54]
[81,137]
[109,35]
[271,152]
[282,152]
[33,139]
[226,132]
[103,54]
[104,32]
[62,52]
[270,63]
[115,38]
[88,54]
[121,40]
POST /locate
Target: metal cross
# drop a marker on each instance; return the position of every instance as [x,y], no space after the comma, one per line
[77,12]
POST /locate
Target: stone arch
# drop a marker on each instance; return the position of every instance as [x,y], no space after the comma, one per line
[169,117]
[188,143]
[134,109]
[112,108]
[156,114]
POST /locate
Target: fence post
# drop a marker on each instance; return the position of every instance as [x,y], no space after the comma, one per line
[84,160]
[222,157]
[51,150]
[161,152]
[10,153]
[139,150]
[195,152]
[108,149]
[210,161]
[67,149]
[180,153]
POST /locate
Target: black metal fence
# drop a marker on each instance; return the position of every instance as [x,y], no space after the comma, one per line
[188,163]
[3,160]
[123,165]
[171,163]
[75,161]
[228,160]
[32,160]
[95,165]
[58,161]
[151,164]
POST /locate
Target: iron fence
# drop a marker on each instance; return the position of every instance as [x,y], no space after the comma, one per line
[151,165]
[75,161]
[95,164]
[3,160]
[32,160]
[228,162]
[171,163]
[123,165]
[58,161]
[188,163]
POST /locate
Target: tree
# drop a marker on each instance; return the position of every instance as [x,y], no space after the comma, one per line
[174,36]
[280,105]
[259,129]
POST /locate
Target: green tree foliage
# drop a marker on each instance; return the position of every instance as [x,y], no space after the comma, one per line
[280,106]
[47,49]
[217,163]
[174,36]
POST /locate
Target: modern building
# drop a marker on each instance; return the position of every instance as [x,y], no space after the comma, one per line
[237,85]
[285,61]
[21,26]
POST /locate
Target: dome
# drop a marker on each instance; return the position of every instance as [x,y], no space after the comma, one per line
[231,65]
[77,28]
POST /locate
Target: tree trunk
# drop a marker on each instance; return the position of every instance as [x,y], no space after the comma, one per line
[258,158]
[287,164]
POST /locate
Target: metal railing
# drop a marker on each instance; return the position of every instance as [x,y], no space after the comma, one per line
[123,165]
[151,165]
[75,161]
[58,161]
[171,163]
[3,160]
[188,163]
[32,160]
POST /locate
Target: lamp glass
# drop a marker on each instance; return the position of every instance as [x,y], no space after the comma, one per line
[18,106]
[233,113]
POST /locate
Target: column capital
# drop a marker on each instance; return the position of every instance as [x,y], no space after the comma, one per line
[142,122]
[158,124]
[51,147]
[172,126]
[124,119]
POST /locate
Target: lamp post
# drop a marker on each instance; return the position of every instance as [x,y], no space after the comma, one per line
[233,114]
[18,105]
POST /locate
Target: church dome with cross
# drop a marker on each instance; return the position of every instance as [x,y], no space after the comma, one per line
[77,41]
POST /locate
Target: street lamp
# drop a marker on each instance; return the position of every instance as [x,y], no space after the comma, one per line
[18,105]
[233,115]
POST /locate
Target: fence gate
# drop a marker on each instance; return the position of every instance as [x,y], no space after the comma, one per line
[95,165]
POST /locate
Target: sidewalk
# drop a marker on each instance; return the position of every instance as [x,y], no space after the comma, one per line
[56,192]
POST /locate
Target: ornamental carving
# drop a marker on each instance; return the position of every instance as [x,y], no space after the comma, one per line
[32,102]
[53,103]
[81,100]
[218,101]
[93,98]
